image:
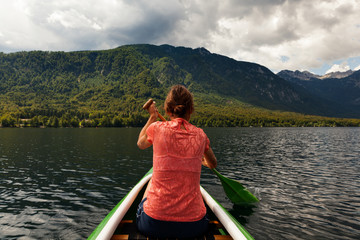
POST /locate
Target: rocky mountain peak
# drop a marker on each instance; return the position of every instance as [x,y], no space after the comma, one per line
[337,74]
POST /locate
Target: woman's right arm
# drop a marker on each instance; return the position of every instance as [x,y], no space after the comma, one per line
[209,159]
[142,142]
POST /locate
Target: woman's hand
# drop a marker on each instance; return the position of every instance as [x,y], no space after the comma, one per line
[203,162]
[153,111]
[209,159]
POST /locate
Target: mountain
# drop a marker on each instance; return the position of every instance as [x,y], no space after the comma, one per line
[341,90]
[108,88]
[305,75]
[297,75]
[250,83]
[337,74]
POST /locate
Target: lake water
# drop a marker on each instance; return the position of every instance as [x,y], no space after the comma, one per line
[60,183]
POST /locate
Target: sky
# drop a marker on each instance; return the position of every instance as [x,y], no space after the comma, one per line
[319,36]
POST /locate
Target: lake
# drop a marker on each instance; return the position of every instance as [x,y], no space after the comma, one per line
[60,183]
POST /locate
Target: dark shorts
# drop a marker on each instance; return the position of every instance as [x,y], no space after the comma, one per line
[166,229]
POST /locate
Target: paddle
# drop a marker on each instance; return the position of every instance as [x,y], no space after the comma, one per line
[236,192]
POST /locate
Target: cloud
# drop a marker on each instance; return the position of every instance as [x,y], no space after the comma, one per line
[343,67]
[309,34]
[85,24]
[357,68]
[72,19]
[279,34]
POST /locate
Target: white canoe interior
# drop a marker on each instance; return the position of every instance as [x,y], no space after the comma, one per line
[110,227]
[107,232]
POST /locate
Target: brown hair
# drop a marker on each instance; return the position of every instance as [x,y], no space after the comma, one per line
[179,102]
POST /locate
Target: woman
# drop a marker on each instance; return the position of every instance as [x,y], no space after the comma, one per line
[172,205]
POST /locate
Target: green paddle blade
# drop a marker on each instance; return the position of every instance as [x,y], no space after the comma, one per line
[236,192]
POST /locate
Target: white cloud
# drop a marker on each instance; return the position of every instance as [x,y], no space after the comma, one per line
[308,34]
[343,67]
[72,19]
[357,68]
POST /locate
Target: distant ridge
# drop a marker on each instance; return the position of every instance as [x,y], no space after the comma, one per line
[341,89]
[337,74]
[305,75]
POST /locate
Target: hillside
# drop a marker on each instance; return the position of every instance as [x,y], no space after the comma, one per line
[339,89]
[108,88]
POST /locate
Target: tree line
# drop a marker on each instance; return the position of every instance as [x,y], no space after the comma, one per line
[102,119]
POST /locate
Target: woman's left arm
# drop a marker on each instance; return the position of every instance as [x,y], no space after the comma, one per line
[209,159]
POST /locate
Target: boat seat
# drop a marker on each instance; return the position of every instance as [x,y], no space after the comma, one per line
[127,231]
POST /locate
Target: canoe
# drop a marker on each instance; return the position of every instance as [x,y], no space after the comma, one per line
[120,222]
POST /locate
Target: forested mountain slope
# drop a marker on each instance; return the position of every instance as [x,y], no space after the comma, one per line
[108,88]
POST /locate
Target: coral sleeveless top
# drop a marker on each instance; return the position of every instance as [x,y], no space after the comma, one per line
[175,194]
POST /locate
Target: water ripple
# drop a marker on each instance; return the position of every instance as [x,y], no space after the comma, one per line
[60,183]
[307,180]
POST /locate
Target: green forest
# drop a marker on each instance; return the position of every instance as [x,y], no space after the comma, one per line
[108,88]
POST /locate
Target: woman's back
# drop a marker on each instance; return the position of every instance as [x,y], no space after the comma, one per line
[175,191]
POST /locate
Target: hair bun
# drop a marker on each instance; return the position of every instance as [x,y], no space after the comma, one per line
[179,109]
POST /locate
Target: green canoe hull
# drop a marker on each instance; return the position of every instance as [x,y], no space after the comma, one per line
[125,209]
